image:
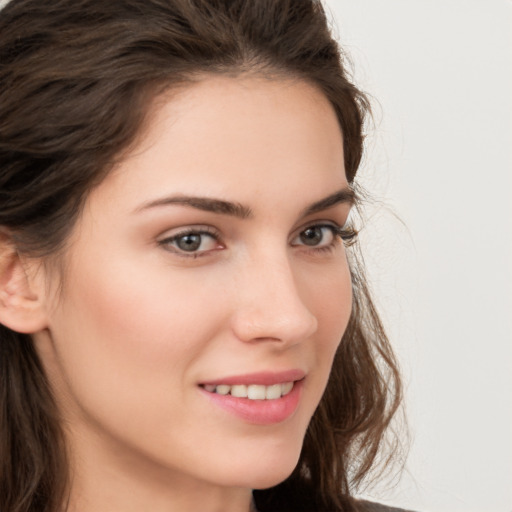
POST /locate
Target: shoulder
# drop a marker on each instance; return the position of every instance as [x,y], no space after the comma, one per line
[370,506]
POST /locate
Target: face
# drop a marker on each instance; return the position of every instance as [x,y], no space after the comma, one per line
[208,266]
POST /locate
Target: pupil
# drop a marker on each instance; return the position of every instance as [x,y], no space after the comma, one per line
[189,242]
[311,236]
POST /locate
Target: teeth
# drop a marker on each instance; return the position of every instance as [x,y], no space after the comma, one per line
[222,389]
[286,388]
[273,392]
[256,392]
[253,391]
[240,391]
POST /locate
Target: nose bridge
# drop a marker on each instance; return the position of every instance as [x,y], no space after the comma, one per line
[270,305]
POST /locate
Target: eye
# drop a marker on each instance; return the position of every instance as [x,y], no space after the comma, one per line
[192,242]
[317,236]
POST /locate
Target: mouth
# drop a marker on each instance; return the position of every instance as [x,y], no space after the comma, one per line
[264,398]
[251,391]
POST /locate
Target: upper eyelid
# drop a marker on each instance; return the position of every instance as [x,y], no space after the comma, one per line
[335,227]
[182,231]
[210,230]
[215,232]
[318,223]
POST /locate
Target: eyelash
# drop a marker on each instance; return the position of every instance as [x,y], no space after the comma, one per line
[166,243]
[346,234]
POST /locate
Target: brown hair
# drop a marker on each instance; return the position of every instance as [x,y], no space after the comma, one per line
[76,80]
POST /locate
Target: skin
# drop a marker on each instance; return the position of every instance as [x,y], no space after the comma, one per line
[138,324]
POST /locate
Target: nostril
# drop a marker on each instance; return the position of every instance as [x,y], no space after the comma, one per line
[286,326]
[268,305]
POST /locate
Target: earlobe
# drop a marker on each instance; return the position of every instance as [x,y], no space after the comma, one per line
[21,306]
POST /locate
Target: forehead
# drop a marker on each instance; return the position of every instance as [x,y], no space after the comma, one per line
[225,136]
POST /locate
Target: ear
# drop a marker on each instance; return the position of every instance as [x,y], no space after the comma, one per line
[21,298]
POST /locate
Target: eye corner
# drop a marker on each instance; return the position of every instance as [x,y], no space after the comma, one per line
[348,234]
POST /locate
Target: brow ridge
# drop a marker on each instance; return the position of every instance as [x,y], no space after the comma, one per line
[344,196]
[204,203]
[220,206]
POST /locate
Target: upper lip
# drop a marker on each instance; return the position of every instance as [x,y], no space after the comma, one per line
[266,378]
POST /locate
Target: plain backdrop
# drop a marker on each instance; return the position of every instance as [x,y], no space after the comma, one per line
[439,238]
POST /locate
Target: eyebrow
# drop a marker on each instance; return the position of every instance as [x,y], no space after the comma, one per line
[344,196]
[207,204]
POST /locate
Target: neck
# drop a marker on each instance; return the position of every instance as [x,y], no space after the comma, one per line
[131,484]
[120,496]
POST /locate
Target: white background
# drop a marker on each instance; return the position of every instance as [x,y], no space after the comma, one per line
[440,160]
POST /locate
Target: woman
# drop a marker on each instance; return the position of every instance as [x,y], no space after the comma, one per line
[176,179]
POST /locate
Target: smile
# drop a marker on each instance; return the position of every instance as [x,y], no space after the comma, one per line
[252,391]
[264,398]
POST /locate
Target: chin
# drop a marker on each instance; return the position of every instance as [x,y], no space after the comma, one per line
[268,470]
[271,480]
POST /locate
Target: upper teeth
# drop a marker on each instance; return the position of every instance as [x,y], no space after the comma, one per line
[253,391]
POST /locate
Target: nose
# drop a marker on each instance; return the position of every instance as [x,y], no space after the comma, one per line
[269,305]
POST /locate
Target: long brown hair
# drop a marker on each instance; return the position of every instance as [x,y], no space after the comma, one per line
[76,80]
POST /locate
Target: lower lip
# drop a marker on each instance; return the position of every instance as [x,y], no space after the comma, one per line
[259,412]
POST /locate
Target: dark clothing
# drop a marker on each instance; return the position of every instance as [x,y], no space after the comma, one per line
[294,500]
[369,506]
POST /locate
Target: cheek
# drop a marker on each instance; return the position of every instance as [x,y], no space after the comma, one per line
[330,297]
[136,305]
[125,338]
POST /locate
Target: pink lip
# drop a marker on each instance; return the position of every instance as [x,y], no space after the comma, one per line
[261,378]
[259,412]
